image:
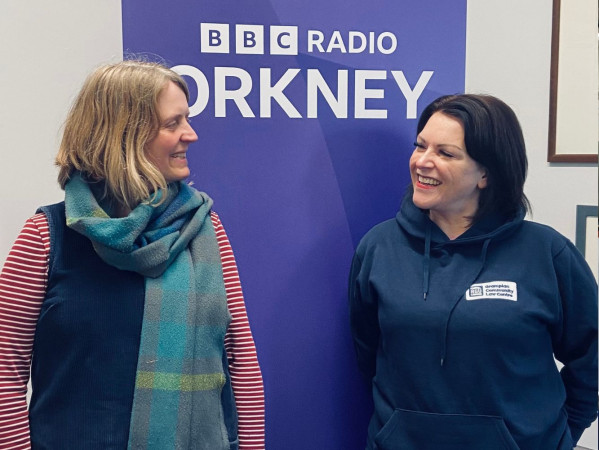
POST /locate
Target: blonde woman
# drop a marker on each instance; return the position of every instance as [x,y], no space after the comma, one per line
[126,293]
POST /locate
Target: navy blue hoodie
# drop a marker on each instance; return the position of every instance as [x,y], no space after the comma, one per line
[458,337]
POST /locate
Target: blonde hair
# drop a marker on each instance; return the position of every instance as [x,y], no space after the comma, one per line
[106,131]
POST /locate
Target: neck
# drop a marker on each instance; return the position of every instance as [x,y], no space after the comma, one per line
[121,211]
[112,206]
[452,226]
[114,209]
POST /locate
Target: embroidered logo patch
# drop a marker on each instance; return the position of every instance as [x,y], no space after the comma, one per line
[501,290]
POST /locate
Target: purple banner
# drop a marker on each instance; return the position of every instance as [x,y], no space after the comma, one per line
[305,113]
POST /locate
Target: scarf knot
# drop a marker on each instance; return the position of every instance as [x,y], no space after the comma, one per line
[149,239]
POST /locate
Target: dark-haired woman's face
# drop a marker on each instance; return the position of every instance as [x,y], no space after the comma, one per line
[446,180]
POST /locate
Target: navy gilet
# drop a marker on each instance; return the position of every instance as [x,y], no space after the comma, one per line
[86,346]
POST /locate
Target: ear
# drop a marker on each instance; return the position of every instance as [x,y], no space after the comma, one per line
[482,183]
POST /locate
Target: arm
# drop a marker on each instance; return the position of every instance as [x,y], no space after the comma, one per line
[246,377]
[577,344]
[22,291]
[363,316]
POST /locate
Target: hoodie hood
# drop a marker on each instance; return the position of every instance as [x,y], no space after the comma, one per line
[416,223]
[490,229]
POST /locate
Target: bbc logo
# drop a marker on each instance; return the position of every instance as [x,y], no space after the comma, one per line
[249,39]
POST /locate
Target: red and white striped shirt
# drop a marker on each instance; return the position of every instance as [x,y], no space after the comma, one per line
[23,283]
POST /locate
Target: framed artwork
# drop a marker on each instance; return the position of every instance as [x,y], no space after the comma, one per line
[587,234]
[574,101]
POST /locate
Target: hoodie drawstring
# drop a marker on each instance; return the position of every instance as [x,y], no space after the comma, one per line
[427,260]
[483,259]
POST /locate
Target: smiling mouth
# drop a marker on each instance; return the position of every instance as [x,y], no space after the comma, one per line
[428,181]
[179,156]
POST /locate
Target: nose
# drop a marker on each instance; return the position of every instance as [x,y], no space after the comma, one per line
[423,158]
[189,134]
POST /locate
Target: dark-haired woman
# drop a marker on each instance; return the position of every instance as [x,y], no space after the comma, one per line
[459,306]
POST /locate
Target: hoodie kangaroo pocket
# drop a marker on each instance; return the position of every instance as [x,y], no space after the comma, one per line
[414,430]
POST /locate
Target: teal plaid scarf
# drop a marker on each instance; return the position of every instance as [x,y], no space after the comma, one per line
[180,375]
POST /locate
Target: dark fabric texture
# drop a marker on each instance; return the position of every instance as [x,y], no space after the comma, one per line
[501,301]
[85,348]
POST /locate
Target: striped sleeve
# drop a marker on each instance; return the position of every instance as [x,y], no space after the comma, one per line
[22,290]
[246,377]
[23,283]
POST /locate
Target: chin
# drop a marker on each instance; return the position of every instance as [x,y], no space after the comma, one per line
[422,204]
[178,177]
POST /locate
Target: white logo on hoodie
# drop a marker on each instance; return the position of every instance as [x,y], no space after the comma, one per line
[500,290]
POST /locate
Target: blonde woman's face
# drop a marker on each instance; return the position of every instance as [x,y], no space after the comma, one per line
[168,150]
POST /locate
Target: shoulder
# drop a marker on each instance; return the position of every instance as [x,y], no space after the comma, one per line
[381,231]
[541,229]
[56,208]
[383,234]
[37,225]
[542,235]
[53,215]
[215,219]
[187,190]
[221,235]
[33,242]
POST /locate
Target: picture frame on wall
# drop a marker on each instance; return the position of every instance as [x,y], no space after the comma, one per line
[587,234]
[587,241]
[574,100]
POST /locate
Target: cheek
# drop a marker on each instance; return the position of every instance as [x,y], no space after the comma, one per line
[413,160]
[476,176]
[159,149]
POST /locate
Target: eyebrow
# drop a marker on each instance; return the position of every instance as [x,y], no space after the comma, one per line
[420,138]
[173,117]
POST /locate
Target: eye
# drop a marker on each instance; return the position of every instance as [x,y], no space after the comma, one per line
[418,145]
[446,153]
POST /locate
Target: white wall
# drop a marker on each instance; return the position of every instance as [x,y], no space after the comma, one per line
[47,48]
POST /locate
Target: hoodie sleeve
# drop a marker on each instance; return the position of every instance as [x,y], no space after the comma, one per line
[363,318]
[576,347]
